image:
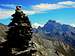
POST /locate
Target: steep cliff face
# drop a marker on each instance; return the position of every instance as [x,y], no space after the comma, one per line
[57,31]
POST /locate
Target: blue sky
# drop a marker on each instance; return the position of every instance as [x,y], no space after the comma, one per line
[40,11]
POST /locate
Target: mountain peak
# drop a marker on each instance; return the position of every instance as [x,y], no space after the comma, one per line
[59,31]
[52,21]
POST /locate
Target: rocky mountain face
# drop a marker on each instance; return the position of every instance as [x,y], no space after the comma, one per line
[44,46]
[3,29]
[57,31]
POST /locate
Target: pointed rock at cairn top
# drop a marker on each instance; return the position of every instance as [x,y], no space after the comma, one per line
[18,7]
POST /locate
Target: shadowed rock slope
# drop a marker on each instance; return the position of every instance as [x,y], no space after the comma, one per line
[51,47]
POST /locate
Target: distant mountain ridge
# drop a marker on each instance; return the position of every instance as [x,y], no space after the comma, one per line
[57,31]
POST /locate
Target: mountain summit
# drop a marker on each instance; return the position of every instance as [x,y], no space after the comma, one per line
[57,31]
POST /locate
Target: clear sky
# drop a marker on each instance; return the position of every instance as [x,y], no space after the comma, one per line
[40,11]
